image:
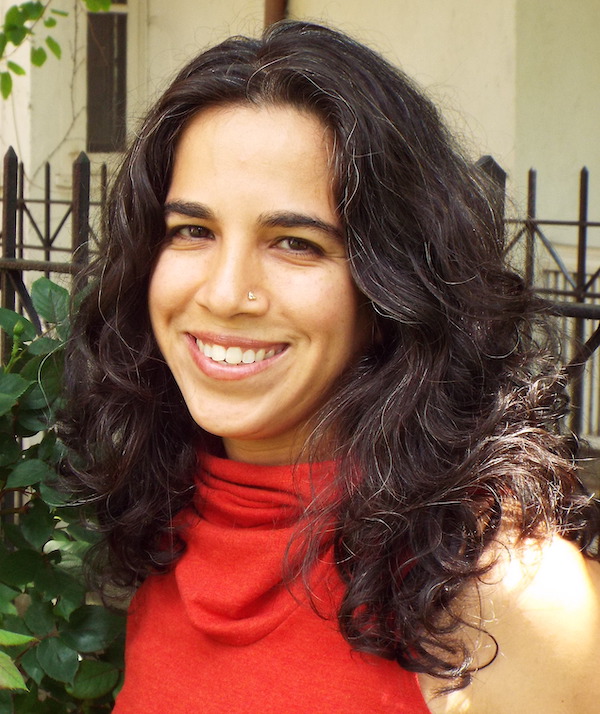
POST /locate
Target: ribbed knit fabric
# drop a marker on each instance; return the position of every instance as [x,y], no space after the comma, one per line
[222,634]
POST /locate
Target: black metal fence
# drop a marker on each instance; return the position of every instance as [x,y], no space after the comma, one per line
[573,296]
[54,236]
[44,234]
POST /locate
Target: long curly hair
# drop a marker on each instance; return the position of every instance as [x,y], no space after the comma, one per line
[446,429]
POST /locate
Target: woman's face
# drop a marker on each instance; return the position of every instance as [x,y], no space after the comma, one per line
[251,299]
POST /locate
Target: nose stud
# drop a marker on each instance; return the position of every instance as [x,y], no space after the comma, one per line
[251,295]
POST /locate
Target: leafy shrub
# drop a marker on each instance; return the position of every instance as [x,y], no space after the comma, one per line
[60,650]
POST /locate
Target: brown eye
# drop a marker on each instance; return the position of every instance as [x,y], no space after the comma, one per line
[189,232]
[300,246]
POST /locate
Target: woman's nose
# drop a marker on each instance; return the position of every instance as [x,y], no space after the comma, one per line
[232,282]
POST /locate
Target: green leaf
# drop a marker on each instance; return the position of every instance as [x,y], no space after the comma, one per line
[10,449]
[20,567]
[10,677]
[98,5]
[13,639]
[49,382]
[60,13]
[7,595]
[38,524]
[30,664]
[38,398]
[6,702]
[16,34]
[43,346]
[6,403]
[49,22]
[15,624]
[29,472]
[49,449]
[12,386]
[39,617]
[31,369]
[3,42]
[92,628]
[14,25]
[14,16]
[5,84]
[50,300]
[54,47]
[38,56]
[41,700]
[52,583]
[16,68]
[32,422]
[81,533]
[8,320]
[13,535]
[115,653]
[52,497]
[93,679]
[33,10]
[57,659]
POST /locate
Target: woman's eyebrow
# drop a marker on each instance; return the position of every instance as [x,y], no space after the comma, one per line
[191,209]
[277,219]
[290,219]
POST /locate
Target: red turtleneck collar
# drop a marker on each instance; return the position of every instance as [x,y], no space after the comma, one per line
[232,580]
[223,634]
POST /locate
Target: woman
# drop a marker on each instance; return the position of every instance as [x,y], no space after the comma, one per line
[307,401]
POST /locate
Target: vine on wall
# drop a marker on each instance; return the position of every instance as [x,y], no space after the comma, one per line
[32,22]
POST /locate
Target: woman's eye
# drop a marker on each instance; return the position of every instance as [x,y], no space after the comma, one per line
[300,246]
[191,232]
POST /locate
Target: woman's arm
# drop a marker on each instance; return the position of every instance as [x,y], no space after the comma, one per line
[541,603]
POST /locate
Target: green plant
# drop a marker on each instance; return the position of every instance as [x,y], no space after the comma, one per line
[60,651]
[25,23]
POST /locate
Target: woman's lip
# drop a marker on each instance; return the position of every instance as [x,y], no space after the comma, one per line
[231,372]
[235,341]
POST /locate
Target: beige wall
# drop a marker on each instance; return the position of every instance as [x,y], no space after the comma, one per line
[45,116]
[461,51]
[518,79]
[175,36]
[558,99]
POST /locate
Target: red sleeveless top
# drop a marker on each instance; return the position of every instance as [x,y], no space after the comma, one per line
[222,634]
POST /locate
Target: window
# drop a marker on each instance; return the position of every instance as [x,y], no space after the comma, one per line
[107,79]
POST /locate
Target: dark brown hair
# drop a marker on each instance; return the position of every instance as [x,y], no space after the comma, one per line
[448,424]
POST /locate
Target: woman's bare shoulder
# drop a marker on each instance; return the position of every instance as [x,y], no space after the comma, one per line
[540,604]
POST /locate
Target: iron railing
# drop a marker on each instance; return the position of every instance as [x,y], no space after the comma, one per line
[44,234]
[54,236]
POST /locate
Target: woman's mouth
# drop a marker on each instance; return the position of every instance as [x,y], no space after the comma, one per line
[235,354]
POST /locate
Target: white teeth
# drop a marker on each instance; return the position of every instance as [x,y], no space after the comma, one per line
[234,355]
[218,353]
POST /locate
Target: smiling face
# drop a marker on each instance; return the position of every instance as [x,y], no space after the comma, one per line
[251,300]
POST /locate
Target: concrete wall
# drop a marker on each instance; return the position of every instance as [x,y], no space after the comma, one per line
[518,79]
[45,118]
[188,27]
[558,108]
[461,51]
